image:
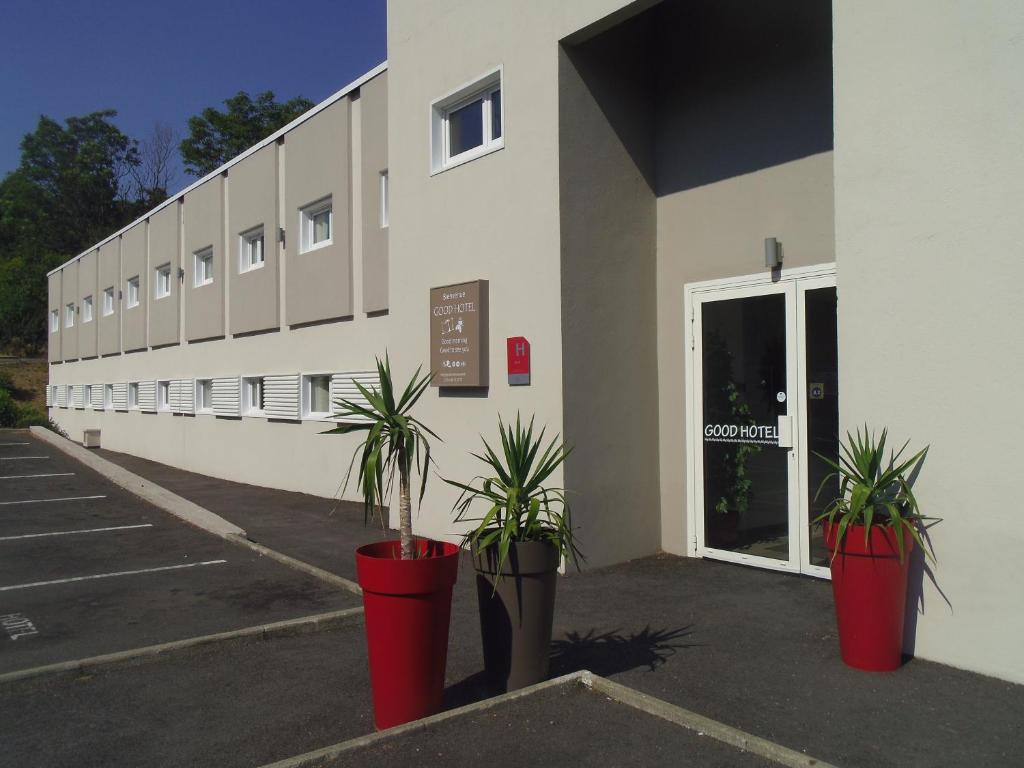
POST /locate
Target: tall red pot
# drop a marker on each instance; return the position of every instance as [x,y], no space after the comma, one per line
[869,584]
[407,607]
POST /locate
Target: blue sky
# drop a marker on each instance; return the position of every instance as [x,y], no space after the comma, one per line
[167,61]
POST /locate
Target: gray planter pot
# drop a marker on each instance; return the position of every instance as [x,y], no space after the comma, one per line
[515,619]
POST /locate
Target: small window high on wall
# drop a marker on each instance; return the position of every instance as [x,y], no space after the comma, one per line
[133,292]
[251,250]
[87,309]
[316,224]
[162,281]
[108,301]
[54,321]
[467,123]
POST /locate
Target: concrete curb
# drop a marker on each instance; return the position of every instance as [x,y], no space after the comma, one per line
[620,693]
[700,724]
[182,508]
[320,622]
[160,497]
[299,565]
[317,757]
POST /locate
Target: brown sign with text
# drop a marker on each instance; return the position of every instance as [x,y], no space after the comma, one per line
[458,335]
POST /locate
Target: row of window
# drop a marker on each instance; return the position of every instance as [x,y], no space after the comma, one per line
[466,124]
[316,231]
[306,396]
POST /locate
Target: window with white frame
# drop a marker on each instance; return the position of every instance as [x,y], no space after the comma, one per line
[87,309]
[316,225]
[204,395]
[385,211]
[133,291]
[108,396]
[203,267]
[162,281]
[133,394]
[252,396]
[88,395]
[467,123]
[54,321]
[163,395]
[108,301]
[69,315]
[251,252]
[316,396]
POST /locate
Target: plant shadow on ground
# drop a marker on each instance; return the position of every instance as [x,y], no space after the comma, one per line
[603,653]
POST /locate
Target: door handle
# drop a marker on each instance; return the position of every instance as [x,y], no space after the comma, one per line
[785,431]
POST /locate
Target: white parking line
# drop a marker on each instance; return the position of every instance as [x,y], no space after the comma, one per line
[21,458]
[69,533]
[111,575]
[22,477]
[41,501]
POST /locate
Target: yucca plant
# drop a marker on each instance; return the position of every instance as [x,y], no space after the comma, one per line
[521,507]
[873,492]
[395,441]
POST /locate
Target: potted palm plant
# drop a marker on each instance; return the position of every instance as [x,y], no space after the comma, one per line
[871,528]
[407,583]
[517,545]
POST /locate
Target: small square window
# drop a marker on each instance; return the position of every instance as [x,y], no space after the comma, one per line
[251,250]
[108,301]
[203,267]
[54,321]
[467,123]
[87,309]
[133,291]
[385,212]
[252,396]
[108,396]
[204,395]
[316,225]
[163,395]
[162,281]
[316,396]
[133,394]
[69,315]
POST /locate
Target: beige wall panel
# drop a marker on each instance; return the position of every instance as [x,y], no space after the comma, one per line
[69,294]
[252,202]
[929,183]
[54,303]
[317,165]
[88,271]
[135,263]
[109,327]
[373,102]
[608,236]
[164,248]
[204,227]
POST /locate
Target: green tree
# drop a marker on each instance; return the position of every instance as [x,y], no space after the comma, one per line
[68,191]
[214,137]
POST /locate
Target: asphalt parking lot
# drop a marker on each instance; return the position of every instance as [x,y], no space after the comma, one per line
[87,568]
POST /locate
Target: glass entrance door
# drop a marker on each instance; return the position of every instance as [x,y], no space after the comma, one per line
[764,383]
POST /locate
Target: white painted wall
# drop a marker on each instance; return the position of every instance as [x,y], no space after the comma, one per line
[929,181]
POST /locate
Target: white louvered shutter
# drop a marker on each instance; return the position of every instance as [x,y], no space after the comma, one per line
[97,397]
[181,395]
[49,395]
[227,397]
[79,395]
[174,396]
[281,397]
[121,396]
[186,395]
[147,395]
[62,396]
[343,387]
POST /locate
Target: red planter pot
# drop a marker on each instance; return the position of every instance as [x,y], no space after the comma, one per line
[407,609]
[869,584]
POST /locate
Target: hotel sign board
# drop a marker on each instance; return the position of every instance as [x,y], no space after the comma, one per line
[458,334]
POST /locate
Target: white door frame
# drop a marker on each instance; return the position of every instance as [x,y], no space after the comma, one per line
[793,283]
